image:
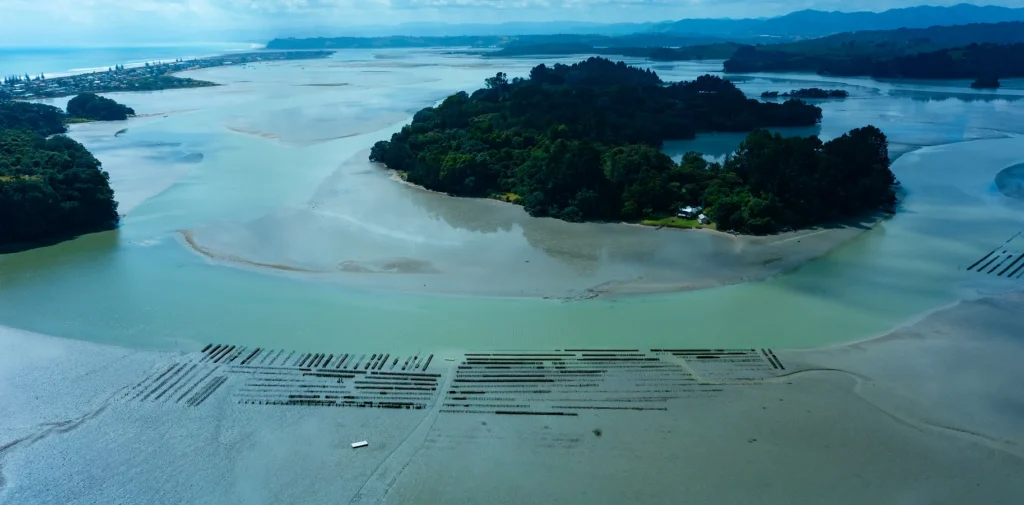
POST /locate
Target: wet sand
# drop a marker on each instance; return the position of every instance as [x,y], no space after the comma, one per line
[136,174]
[930,413]
[1010,182]
[360,220]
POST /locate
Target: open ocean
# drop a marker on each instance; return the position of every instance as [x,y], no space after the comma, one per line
[56,61]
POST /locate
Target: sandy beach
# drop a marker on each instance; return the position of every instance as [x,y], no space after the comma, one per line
[930,413]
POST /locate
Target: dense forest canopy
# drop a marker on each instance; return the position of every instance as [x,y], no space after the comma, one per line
[49,188]
[581,142]
[939,52]
[967,62]
[98,108]
[42,119]
[773,182]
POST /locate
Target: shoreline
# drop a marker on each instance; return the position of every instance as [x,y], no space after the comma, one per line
[874,217]
[156,77]
[729,259]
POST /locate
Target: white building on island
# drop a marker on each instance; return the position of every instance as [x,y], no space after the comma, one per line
[689,212]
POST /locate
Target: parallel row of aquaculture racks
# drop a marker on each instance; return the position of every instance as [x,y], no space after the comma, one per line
[555,383]
[1006,261]
[278,377]
[572,381]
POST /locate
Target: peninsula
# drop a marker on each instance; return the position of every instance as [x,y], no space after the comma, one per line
[580,143]
[149,77]
[940,52]
[50,188]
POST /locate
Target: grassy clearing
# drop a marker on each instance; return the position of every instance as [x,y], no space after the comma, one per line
[403,174]
[507,197]
[8,178]
[677,222]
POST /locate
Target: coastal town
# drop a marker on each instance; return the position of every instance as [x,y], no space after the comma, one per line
[146,77]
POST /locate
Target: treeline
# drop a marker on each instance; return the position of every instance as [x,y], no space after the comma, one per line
[973,61]
[816,93]
[938,52]
[42,119]
[50,188]
[581,142]
[720,51]
[986,83]
[511,42]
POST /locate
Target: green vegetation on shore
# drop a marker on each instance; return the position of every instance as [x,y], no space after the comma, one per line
[720,51]
[985,83]
[42,119]
[50,188]
[676,222]
[815,93]
[581,142]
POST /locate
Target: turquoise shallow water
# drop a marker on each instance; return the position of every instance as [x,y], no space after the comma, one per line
[259,168]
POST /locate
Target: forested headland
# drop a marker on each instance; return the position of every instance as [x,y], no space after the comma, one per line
[581,142]
[50,188]
[941,52]
[38,118]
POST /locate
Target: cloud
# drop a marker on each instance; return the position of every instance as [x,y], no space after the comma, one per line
[55,22]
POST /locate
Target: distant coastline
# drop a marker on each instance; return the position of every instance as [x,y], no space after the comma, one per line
[150,77]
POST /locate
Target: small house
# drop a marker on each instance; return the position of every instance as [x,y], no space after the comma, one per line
[689,212]
[702,219]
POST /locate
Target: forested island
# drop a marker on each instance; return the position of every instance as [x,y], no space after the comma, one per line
[581,142]
[816,93]
[97,108]
[50,188]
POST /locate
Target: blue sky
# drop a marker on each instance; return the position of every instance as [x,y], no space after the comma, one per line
[100,22]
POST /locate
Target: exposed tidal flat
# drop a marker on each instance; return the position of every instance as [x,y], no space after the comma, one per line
[929,413]
[252,218]
[251,211]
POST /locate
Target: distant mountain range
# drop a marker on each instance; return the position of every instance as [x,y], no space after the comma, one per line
[811,23]
[796,25]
